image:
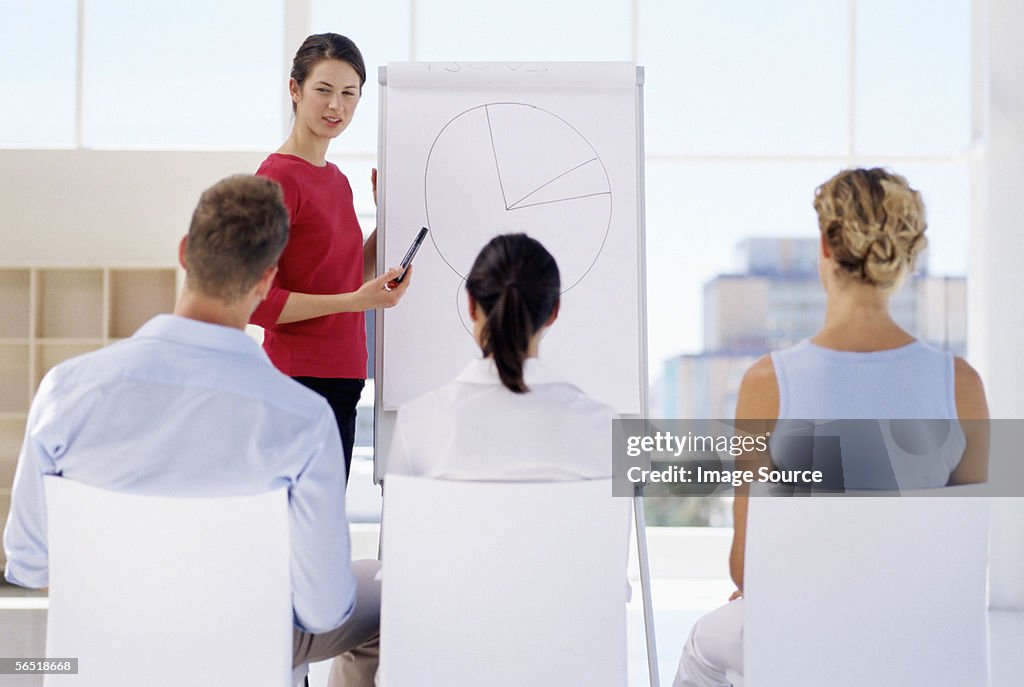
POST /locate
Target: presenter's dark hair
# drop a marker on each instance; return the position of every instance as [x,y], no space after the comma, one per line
[239,229]
[326,46]
[515,280]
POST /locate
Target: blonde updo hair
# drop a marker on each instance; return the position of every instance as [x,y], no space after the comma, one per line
[873,224]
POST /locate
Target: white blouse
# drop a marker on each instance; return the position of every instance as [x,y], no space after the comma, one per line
[475,429]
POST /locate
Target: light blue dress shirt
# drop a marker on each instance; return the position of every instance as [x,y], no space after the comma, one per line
[186,408]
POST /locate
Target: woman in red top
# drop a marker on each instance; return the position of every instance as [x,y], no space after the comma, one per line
[313,315]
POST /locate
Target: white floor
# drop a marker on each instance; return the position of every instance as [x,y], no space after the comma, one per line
[678,603]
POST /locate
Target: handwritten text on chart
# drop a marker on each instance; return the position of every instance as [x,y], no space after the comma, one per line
[484,66]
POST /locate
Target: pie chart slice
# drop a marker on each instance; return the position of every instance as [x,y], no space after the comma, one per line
[582,181]
[510,167]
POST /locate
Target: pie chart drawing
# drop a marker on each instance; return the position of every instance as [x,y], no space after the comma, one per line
[512,167]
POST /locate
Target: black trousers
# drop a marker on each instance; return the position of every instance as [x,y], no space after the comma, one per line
[343,396]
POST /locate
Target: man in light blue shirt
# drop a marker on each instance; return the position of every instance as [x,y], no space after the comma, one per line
[191,406]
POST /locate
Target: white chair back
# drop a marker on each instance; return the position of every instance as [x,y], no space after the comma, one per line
[867,590]
[152,590]
[503,584]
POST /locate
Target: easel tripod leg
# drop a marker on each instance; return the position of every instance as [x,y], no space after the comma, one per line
[645,586]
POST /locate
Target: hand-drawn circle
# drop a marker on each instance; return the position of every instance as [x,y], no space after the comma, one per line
[462,307]
[512,167]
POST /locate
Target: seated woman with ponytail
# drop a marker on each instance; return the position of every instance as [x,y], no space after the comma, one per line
[506,416]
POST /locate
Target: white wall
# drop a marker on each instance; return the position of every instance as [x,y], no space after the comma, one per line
[996,277]
[88,207]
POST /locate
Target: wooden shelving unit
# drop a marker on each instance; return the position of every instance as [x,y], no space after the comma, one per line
[49,314]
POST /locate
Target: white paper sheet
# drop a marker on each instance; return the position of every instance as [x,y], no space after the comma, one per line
[473,150]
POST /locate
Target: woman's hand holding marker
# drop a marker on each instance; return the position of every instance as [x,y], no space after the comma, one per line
[384,291]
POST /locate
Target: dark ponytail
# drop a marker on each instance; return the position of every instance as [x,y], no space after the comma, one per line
[515,281]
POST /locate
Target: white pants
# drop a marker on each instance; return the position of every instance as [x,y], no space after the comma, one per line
[713,654]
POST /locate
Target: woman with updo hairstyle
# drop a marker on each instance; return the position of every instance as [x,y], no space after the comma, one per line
[861,365]
[506,416]
[872,225]
[313,316]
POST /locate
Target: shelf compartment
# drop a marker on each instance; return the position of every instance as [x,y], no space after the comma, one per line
[136,296]
[70,303]
[15,364]
[15,300]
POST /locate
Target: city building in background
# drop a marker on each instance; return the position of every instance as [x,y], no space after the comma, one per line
[771,301]
[774,301]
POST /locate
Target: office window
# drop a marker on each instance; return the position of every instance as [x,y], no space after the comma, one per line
[913,77]
[38,40]
[697,214]
[744,78]
[183,76]
[382,32]
[749,107]
[529,30]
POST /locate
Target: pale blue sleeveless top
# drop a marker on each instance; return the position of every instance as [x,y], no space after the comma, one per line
[828,389]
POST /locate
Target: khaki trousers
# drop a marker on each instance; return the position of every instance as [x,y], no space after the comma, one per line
[355,646]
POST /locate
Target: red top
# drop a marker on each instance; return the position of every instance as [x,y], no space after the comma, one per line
[324,255]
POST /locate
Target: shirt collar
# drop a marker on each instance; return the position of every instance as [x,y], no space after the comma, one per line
[484,371]
[189,332]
